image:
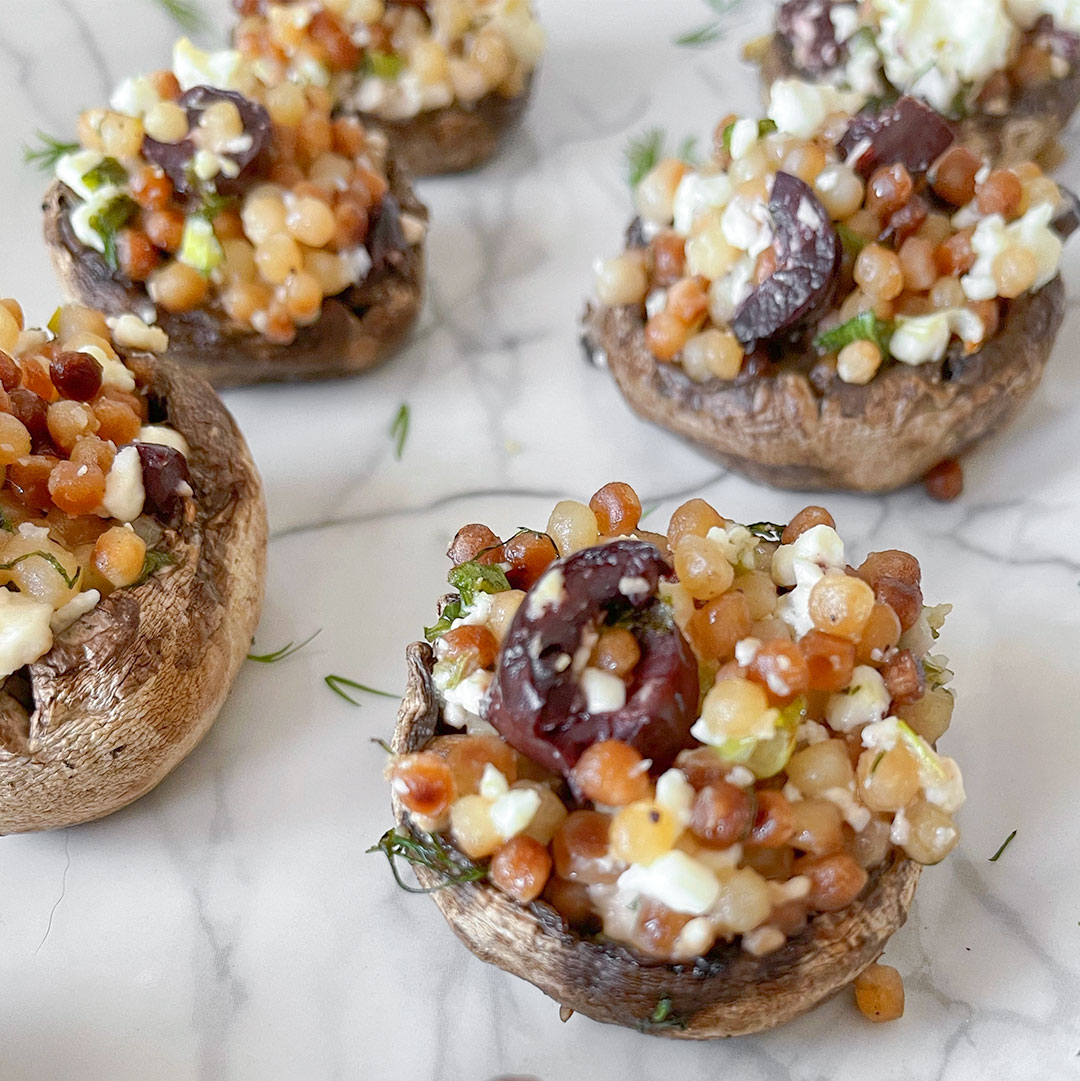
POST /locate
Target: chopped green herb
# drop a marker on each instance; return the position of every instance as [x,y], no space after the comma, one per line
[864,327]
[153,561]
[660,1014]
[69,580]
[185,14]
[767,531]
[286,650]
[335,683]
[108,171]
[51,150]
[199,247]
[383,65]
[877,762]
[445,621]
[448,674]
[853,242]
[435,855]
[212,203]
[1004,844]
[688,150]
[764,127]
[472,578]
[644,152]
[109,220]
[399,430]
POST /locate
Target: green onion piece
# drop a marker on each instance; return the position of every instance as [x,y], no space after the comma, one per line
[109,220]
[107,171]
[199,248]
[864,327]
[384,65]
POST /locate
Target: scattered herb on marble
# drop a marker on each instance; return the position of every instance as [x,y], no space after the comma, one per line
[399,430]
[335,683]
[434,854]
[69,579]
[1004,844]
[286,650]
[48,153]
[711,31]
[185,14]
[383,744]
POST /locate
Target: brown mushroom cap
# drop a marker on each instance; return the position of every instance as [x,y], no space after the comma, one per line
[1034,120]
[128,690]
[729,993]
[778,429]
[357,330]
[456,138]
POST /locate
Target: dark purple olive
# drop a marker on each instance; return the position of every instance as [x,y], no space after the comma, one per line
[808,254]
[908,132]
[1067,219]
[808,28]
[164,471]
[536,701]
[175,158]
[386,239]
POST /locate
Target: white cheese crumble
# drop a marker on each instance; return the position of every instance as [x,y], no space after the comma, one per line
[163,437]
[993,236]
[735,543]
[75,609]
[604,691]
[694,940]
[820,545]
[634,588]
[864,702]
[855,814]
[25,633]
[676,880]
[922,339]
[514,810]
[696,193]
[124,492]
[463,704]
[801,108]
[746,650]
[130,332]
[763,940]
[937,47]
[676,795]
[547,593]
[193,66]
[134,96]
[744,134]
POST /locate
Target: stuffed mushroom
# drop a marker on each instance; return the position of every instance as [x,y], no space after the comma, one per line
[269,240]
[132,551]
[682,782]
[841,307]
[446,80]
[1007,71]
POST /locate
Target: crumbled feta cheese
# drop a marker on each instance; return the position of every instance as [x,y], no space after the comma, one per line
[720,860]
[464,703]
[740,777]
[921,339]
[476,614]
[845,20]
[696,193]
[513,811]
[33,532]
[194,67]
[134,96]
[735,542]
[936,47]
[810,732]
[604,691]
[130,332]
[744,134]
[791,792]
[855,814]
[25,634]
[801,108]
[676,880]
[747,225]
[794,607]
[861,72]
[864,702]
[163,437]
[746,650]
[634,588]
[547,593]
[493,782]
[75,609]
[993,236]
[820,545]
[655,302]
[675,794]
[882,735]
[124,492]
[728,292]
[900,831]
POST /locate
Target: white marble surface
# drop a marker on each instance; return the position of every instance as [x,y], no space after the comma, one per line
[230,926]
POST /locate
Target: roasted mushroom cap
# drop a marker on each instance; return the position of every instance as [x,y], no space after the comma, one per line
[356,331]
[729,993]
[1034,120]
[454,139]
[776,428]
[127,691]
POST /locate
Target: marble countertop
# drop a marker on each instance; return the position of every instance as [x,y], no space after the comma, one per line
[229,925]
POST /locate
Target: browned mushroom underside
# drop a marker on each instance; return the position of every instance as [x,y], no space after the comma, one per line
[357,330]
[128,691]
[778,429]
[1034,120]
[729,993]
[454,139]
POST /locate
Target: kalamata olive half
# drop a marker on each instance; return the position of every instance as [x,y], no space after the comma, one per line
[907,131]
[164,472]
[808,254]
[537,703]
[175,159]
[808,28]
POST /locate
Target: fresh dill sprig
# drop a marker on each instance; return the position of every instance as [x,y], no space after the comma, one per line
[48,153]
[335,683]
[69,579]
[1004,844]
[435,856]
[399,430]
[153,561]
[645,151]
[187,15]
[286,650]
